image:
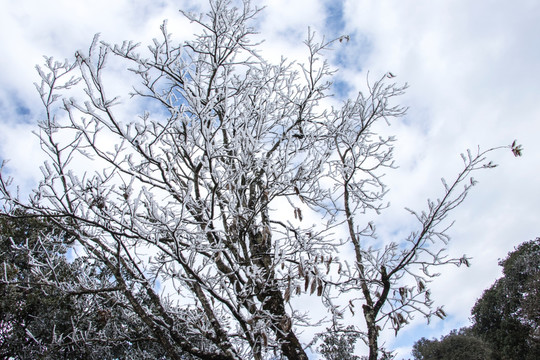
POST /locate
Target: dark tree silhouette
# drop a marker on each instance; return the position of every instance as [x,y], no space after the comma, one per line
[506,315]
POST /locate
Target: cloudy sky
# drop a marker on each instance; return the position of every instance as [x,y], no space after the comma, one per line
[473,68]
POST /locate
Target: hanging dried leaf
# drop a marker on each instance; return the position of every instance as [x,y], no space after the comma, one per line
[440,313]
[401,319]
[428,296]
[517,150]
[403,294]
[421,286]
[313,287]
[287,295]
[264,339]
[320,289]
[266,232]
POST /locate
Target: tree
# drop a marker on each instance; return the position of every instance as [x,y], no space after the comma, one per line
[39,319]
[506,315]
[196,194]
[505,318]
[455,346]
[338,346]
[25,314]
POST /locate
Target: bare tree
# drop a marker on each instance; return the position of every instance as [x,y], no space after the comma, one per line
[390,283]
[193,203]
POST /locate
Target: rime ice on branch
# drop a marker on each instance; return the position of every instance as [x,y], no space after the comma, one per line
[182,210]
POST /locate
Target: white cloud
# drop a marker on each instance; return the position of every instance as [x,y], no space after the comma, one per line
[473,70]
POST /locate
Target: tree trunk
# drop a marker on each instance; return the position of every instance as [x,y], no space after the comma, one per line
[273,301]
[290,345]
[372,332]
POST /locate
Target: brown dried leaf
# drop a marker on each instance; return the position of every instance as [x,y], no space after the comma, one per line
[320,289]
[401,319]
[265,339]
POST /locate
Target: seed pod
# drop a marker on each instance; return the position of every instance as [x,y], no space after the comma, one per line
[300,269]
[320,288]
[265,339]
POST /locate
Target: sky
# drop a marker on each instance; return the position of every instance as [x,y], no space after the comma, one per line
[473,69]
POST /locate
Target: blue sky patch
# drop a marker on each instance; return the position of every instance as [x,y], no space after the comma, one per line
[15,109]
[341,88]
[334,19]
[22,110]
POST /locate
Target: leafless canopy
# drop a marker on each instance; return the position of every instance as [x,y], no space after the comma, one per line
[206,176]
